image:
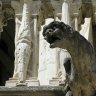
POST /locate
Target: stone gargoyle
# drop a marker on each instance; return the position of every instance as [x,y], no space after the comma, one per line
[83,81]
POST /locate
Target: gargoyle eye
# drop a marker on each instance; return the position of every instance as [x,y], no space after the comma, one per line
[50,30]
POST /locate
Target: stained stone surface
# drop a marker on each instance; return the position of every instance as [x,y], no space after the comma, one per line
[32,91]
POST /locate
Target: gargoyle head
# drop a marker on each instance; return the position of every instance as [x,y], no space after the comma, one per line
[56,31]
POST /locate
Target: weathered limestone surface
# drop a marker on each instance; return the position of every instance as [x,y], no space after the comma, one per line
[32,91]
[26,49]
[63,52]
[48,60]
[83,81]
[23,45]
[53,8]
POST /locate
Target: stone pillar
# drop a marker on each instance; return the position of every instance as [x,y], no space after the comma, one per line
[63,52]
[23,45]
[35,46]
[42,59]
[86,30]
[65,13]
[56,80]
[58,54]
[76,21]
[23,50]
[47,59]
[18,24]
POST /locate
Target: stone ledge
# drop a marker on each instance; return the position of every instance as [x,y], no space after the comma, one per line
[32,91]
[30,82]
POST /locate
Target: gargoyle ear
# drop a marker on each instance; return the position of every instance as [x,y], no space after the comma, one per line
[63,25]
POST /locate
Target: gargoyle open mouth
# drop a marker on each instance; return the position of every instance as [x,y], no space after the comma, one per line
[52,36]
[51,39]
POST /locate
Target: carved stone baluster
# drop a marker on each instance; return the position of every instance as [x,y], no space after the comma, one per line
[42,58]
[47,59]
[23,44]
[18,23]
[63,52]
[76,21]
[23,71]
[35,47]
[65,13]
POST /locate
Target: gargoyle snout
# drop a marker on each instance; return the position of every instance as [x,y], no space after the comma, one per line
[45,37]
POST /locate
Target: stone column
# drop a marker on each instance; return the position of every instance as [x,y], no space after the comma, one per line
[76,21]
[65,13]
[23,50]
[63,52]
[56,80]
[47,59]
[42,59]
[18,24]
[23,45]
[86,30]
[35,46]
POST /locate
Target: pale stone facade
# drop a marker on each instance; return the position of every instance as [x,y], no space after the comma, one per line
[36,63]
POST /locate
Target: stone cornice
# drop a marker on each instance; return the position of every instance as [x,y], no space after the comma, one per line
[36,91]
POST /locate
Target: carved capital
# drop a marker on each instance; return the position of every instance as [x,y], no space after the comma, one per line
[16,6]
[6,13]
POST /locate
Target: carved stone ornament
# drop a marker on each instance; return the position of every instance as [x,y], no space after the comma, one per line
[23,45]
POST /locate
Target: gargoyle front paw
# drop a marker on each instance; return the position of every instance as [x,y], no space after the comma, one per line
[52,45]
[55,44]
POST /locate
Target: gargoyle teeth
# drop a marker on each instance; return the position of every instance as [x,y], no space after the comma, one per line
[45,38]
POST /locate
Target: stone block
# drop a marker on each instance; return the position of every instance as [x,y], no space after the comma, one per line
[32,91]
[14,82]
